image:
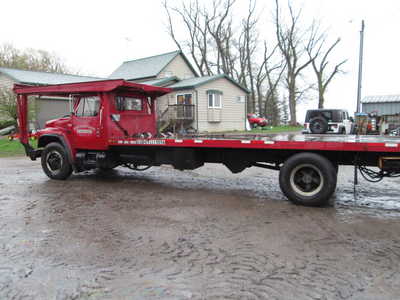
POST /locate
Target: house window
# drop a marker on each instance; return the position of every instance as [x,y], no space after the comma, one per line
[214,99]
[184,99]
[241,99]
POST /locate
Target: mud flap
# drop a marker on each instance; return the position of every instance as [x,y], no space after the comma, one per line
[186,159]
[235,162]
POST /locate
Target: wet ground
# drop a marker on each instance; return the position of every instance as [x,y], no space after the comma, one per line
[203,234]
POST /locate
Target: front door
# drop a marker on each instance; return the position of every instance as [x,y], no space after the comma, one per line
[86,123]
[184,106]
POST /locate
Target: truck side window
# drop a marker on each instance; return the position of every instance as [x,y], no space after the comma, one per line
[88,106]
[128,103]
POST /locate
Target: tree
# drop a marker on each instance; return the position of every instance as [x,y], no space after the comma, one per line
[30,59]
[319,53]
[285,111]
[218,45]
[8,107]
[290,39]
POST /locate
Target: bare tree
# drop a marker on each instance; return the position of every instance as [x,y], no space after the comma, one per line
[210,35]
[220,27]
[274,74]
[264,80]
[195,23]
[30,59]
[250,44]
[319,53]
[290,42]
[214,45]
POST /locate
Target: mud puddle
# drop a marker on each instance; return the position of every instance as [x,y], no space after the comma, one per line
[203,234]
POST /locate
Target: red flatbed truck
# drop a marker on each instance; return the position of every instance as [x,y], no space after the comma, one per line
[113,123]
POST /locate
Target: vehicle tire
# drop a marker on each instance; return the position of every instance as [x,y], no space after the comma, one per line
[55,162]
[308,179]
[343,130]
[254,125]
[318,125]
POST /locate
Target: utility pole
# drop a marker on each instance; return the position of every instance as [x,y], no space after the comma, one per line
[360,63]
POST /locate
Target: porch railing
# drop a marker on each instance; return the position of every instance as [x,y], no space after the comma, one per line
[181,112]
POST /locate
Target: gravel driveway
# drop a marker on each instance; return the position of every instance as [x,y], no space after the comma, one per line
[203,234]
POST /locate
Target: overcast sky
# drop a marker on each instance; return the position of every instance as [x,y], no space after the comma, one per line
[94,37]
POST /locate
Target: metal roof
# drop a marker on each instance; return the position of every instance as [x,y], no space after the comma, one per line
[41,78]
[198,81]
[147,67]
[381,99]
[161,81]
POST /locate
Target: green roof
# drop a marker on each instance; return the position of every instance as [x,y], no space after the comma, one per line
[146,67]
[195,82]
[161,81]
[35,77]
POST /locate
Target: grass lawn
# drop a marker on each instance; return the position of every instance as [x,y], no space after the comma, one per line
[276,129]
[11,148]
[268,130]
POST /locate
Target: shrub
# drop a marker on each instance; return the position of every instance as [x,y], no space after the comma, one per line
[6,123]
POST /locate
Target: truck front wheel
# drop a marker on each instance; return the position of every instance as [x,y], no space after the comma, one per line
[308,179]
[55,162]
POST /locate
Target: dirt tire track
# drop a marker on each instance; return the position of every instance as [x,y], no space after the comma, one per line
[203,234]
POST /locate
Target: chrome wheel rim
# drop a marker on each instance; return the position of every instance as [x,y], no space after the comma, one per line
[54,161]
[306,180]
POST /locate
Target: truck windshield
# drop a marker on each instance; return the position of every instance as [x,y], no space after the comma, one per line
[88,106]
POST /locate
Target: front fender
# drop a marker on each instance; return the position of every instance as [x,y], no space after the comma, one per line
[58,137]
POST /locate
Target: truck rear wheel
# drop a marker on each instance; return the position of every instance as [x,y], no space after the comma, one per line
[308,179]
[55,162]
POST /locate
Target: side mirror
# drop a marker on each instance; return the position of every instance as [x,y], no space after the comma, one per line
[116,117]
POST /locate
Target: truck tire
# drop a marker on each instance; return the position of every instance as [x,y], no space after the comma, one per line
[55,162]
[318,125]
[308,179]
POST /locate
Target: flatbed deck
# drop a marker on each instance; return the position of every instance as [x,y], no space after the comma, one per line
[353,143]
[113,135]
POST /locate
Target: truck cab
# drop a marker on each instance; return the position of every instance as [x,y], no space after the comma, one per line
[101,112]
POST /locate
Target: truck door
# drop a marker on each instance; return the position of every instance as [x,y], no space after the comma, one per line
[86,128]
